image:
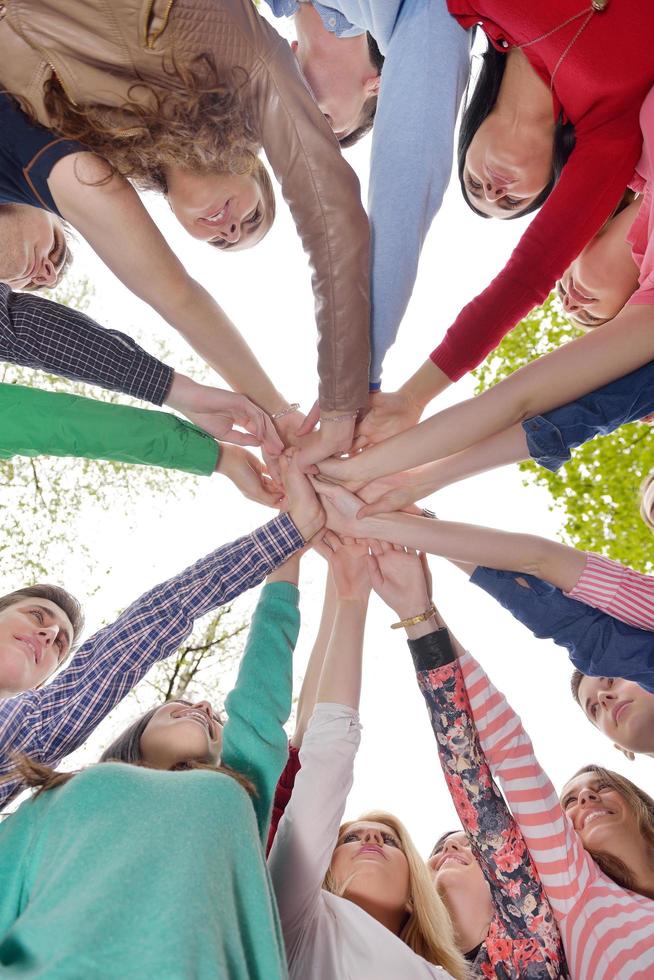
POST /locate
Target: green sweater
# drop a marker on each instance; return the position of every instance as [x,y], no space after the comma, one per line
[127,873]
[35,423]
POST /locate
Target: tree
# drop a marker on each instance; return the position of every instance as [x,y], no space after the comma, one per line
[47,503]
[597,491]
[199,668]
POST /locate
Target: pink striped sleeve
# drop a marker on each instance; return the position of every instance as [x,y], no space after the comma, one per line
[564,867]
[617,590]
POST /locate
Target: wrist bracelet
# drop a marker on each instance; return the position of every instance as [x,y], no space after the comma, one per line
[412,620]
[340,418]
[295,407]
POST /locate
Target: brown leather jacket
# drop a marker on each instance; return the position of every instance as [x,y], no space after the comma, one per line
[99,47]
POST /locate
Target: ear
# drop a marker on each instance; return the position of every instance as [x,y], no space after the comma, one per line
[372,84]
[627,753]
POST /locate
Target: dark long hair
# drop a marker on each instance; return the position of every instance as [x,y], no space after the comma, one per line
[125,748]
[481,104]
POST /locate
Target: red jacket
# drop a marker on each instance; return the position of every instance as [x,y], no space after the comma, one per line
[599,85]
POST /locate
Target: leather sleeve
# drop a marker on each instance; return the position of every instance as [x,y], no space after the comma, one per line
[323,194]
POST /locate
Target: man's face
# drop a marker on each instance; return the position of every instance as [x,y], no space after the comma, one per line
[35,637]
[34,247]
[337,70]
[622,710]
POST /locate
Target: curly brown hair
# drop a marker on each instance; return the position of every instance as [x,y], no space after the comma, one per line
[204,123]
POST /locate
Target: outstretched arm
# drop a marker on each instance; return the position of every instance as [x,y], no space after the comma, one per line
[467,543]
[563,376]
[425,73]
[401,579]
[101,209]
[254,742]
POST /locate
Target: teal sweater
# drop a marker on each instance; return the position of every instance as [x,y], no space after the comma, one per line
[126,872]
[48,423]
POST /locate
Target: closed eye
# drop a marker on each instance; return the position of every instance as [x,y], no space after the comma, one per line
[390,840]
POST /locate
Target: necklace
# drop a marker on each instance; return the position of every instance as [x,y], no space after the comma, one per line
[596,7]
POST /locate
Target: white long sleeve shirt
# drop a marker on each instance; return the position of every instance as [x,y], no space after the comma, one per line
[327,937]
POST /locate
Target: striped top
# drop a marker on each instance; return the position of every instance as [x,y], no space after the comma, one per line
[606,930]
[617,590]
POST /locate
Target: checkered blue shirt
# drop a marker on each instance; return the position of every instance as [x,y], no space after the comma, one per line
[38,333]
[51,723]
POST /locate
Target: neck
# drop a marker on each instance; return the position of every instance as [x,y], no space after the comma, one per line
[470,913]
[315,38]
[523,96]
[393,919]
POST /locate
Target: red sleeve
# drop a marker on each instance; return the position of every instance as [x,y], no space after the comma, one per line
[591,184]
[283,792]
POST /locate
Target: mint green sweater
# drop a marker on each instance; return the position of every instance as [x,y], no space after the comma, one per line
[127,873]
[48,423]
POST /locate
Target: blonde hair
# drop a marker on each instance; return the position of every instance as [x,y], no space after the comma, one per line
[428,929]
[645,510]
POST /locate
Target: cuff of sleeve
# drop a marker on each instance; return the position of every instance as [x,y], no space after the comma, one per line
[600,581]
[447,361]
[278,540]
[374,386]
[285,591]
[545,443]
[149,380]
[432,651]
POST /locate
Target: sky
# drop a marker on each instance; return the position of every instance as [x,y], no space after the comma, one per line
[267,294]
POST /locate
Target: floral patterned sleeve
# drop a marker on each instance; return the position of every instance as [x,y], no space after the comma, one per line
[523,939]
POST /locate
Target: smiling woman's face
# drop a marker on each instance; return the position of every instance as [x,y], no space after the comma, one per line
[226,210]
[596,286]
[33,247]
[371,855]
[179,733]
[454,866]
[600,815]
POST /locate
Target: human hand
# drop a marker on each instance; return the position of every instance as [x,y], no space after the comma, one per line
[247,473]
[301,501]
[390,413]
[288,426]
[333,437]
[401,577]
[348,565]
[397,491]
[341,508]
[217,412]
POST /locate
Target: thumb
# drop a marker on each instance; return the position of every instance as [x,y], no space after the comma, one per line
[310,421]
[238,438]
[375,573]
[381,506]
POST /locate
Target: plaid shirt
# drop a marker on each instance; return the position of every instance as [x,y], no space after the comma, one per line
[44,335]
[50,723]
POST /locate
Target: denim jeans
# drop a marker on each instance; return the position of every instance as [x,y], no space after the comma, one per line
[597,644]
[550,437]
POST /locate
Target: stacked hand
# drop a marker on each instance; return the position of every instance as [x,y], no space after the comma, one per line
[401,577]
[348,565]
[248,474]
[390,413]
[217,412]
[300,501]
[332,438]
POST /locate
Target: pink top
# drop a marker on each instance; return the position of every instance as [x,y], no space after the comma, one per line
[617,590]
[640,235]
[606,930]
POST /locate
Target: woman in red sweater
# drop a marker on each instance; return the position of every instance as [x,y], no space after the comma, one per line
[594,67]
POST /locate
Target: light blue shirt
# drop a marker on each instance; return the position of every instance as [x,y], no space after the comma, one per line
[333,20]
[426,69]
